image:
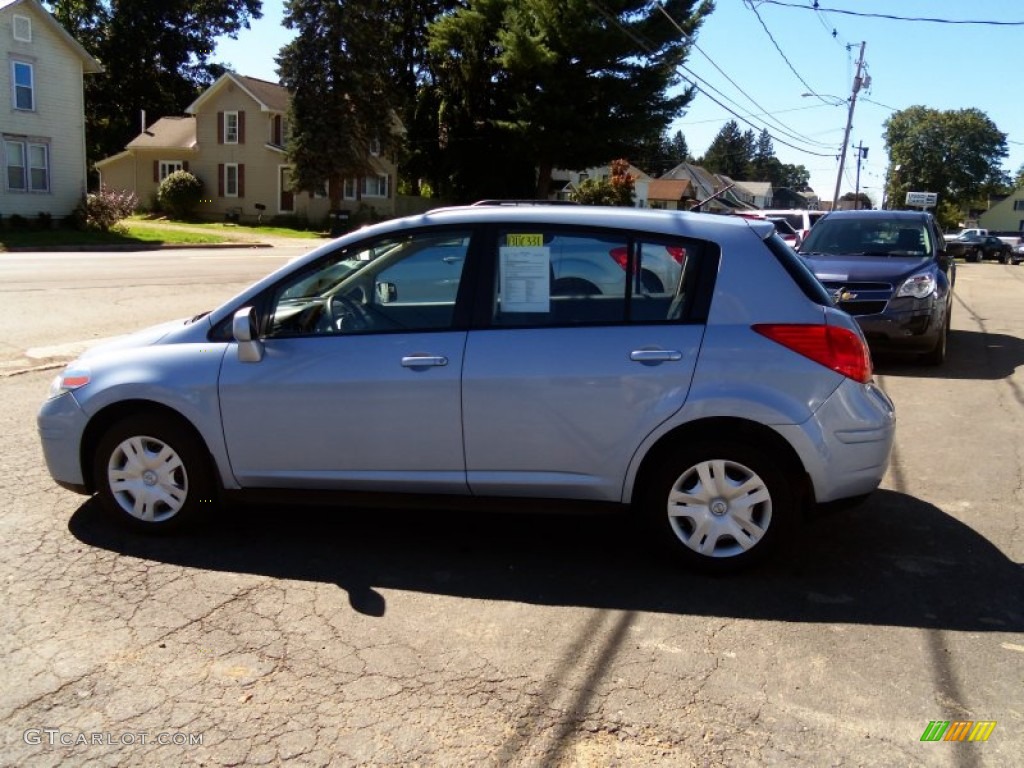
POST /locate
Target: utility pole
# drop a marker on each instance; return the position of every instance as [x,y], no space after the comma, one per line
[862,154]
[857,83]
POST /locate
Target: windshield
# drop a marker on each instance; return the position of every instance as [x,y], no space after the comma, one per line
[868,237]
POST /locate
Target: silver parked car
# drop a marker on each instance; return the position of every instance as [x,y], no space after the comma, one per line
[440,355]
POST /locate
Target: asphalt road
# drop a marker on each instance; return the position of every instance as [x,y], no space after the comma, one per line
[323,637]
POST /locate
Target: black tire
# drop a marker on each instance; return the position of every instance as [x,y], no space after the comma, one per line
[153,474]
[979,256]
[937,355]
[765,515]
[1004,257]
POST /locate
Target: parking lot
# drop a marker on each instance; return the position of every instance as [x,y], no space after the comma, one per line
[333,637]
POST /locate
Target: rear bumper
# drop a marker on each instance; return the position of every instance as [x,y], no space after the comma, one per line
[845,446]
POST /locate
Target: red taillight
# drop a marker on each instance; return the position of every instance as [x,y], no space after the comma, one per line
[620,255]
[840,349]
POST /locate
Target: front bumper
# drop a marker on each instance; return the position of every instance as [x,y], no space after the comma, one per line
[914,330]
[61,424]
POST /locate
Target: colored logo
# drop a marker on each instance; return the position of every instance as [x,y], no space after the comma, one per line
[958,730]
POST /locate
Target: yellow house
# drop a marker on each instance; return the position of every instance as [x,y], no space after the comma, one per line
[1007,215]
[233,139]
[42,112]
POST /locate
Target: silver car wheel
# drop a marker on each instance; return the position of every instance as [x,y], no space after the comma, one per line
[719,508]
[147,479]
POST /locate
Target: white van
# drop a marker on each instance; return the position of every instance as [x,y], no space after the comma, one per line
[801,220]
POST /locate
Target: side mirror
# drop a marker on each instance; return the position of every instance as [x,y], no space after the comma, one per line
[243,328]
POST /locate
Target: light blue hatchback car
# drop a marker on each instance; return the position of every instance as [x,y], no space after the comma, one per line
[459,355]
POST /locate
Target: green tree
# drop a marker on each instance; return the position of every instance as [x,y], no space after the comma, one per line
[156,57]
[1018,179]
[616,190]
[354,68]
[956,154]
[731,152]
[678,149]
[535,84]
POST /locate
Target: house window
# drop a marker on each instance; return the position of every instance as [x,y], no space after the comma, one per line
[167,167]
[38,168]
[279,131]
[375,186]
[231,180]
[28,166]
[1018,205]
[230,127]
[375,146]
[24,91]
[349,189]
[23,29]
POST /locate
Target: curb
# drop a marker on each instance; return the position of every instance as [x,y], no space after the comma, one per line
[131,248]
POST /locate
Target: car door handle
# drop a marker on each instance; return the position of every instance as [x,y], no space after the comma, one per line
[655,355]
[423,361]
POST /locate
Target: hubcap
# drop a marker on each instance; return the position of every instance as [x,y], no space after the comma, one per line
[719,508]
[147,479]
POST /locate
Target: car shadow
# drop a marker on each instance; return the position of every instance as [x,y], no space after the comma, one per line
[894,560]
[969,355]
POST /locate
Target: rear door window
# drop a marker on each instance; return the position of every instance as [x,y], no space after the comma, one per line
[546,276]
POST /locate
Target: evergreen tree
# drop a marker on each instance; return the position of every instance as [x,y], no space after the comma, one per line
[356,69]
[543,83]
[678,150]
[730,153]
[761,163]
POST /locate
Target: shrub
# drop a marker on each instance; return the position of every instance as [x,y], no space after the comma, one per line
[44,220]
[17,222]
[102,210]
[179,194]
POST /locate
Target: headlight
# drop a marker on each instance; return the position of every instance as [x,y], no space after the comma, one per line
[918,286]
[70,380]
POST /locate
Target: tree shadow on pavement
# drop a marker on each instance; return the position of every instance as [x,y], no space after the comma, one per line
[894,560]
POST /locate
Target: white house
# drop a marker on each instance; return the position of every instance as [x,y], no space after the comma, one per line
[42,112]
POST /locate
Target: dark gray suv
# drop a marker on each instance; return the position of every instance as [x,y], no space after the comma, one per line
[891,271]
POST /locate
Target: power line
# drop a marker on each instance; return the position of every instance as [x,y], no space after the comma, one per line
[785,128]
[817,7]
[778,48]
[692,77]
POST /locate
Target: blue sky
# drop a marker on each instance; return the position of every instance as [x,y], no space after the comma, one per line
[737,61]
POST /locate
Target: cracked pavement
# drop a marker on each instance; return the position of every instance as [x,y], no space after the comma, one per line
[318,637]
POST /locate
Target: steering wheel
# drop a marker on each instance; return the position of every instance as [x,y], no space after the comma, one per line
[347,314]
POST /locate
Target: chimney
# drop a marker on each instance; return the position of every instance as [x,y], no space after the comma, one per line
[143,121]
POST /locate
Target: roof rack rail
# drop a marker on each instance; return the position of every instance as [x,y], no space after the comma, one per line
[525,202]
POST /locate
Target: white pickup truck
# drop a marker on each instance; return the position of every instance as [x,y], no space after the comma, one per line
[1010,240]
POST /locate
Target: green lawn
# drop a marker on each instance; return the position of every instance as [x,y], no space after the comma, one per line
[228,229]
[69,237]
[143,231]
[248,231]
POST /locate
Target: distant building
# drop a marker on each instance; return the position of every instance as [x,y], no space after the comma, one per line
[1007,215]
